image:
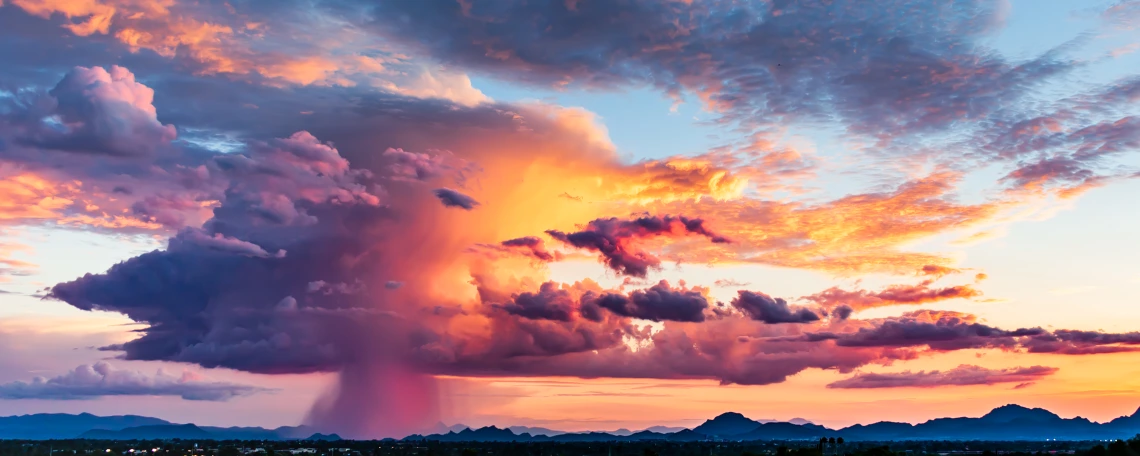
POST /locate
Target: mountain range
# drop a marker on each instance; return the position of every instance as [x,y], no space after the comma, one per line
[1008,422]
[43,426]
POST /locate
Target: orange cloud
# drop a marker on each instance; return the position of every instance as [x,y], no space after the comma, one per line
[231,44]
[856,233]
[891,295]
[10,266]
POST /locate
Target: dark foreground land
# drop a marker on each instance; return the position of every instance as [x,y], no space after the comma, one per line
[176,447]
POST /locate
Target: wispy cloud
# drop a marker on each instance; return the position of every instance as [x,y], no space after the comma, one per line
[958,376]
[102,379]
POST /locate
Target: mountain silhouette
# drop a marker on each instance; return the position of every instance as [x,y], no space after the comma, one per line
[66,426]
[1013,412]
[1005,423]
[726,424]
[325,437]
[159,431]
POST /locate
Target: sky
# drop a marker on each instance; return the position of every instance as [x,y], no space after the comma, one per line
[370,216]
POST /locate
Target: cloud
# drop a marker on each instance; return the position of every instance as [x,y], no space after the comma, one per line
[761,307]
[264,43]
[532,246]
[343,217]
[892,68]
[661,302]
[550,303]
[302,173]
[615,239]
[891,295]
[452,198]
[958,376]
[103,379]
[100,111]
[425,167]
[939,330]
[948,331]
[937,271]
[191,239]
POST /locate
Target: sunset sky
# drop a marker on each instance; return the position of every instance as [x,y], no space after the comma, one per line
[371,216]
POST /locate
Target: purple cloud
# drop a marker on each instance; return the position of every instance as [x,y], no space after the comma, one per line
[612,238]
[958,376]
[661,302]
[102,112]
[103,379]
[452,198]
[761,307]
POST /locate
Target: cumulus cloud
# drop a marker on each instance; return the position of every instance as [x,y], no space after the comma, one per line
[549,303]
[103,379]
[661,302]
[958,376]
[101,112]
[761,307]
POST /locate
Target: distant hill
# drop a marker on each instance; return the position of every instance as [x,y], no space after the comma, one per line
[325,437]
[155,432]
[727,424]
[64,426]
[1008,422]
[535,431]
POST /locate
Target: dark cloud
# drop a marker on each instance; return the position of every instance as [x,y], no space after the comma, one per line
[452,198]
[661,302]
[937,330]
[761,307]
[614,239]
[550,303]
[532,245]
[885,69]
[842,312]
[947,331]
[292,210]
[191,239]
[1073,342]
[958,376]
[103,379]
